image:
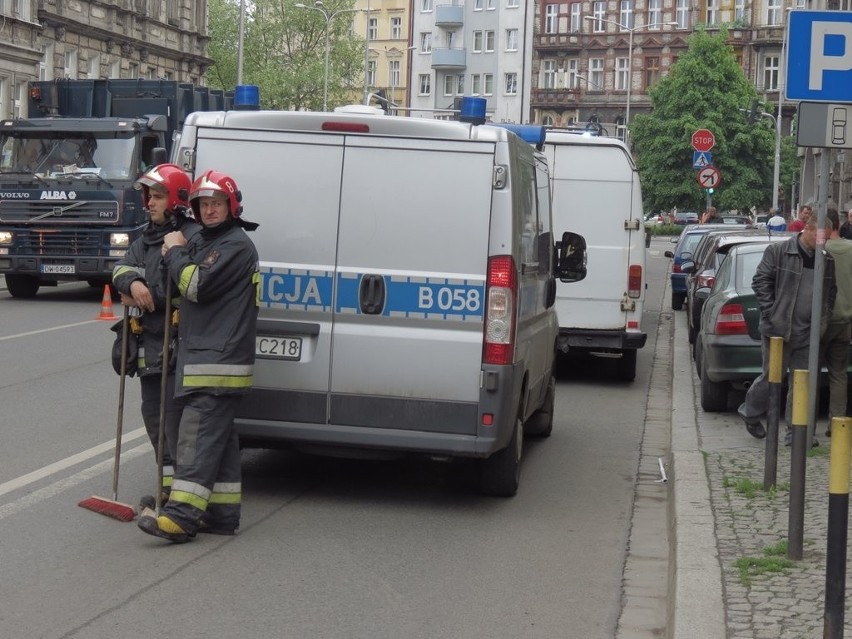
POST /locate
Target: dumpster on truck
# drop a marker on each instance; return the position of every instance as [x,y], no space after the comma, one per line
[68,209]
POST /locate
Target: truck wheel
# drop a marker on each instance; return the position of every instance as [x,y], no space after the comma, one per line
[500,474]
[22,286]
[677,300]
[626,366]
[540,423]
[714,395]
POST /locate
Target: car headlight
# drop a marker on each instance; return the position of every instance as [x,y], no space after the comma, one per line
[5,237]
[119,239]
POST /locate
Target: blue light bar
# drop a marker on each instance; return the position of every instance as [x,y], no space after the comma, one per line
[529,133]
[472,110]
[246,97]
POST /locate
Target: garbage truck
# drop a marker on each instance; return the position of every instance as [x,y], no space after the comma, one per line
[68,209]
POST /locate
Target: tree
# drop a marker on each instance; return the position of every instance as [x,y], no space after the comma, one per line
[705,88]
[284,51]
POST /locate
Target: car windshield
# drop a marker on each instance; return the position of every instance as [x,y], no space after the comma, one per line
[49,154]
[690,241]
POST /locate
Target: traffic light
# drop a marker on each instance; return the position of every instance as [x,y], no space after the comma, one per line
[710,191]
[752,115]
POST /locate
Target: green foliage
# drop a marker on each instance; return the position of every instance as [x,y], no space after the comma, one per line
[705,88]
[284,51]
[773,560]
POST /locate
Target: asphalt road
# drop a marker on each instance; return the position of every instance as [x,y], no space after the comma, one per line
[329,547]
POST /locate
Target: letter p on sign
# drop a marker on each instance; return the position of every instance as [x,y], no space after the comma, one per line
[831,50]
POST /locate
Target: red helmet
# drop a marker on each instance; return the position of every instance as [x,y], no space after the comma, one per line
[170,178]
[212,183]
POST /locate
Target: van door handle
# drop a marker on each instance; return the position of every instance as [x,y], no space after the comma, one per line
[372,294]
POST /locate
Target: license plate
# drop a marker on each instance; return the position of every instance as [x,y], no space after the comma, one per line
[278,347]
[58,268]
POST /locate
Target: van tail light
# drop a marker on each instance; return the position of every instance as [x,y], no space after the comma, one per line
[731,321]
[705,280]
[501,291]
[634,281]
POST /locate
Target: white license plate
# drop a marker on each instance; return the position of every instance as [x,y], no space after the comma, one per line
[280,347]
[58,268]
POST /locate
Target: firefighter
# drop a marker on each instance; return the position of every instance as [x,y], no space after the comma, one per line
[217,275]
[138,278]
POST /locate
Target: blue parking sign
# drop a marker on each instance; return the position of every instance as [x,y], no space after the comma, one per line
[819,56]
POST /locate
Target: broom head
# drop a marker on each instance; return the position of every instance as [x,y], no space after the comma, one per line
[109,507]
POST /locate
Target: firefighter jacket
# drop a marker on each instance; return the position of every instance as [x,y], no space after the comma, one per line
[218,278]
[144,262]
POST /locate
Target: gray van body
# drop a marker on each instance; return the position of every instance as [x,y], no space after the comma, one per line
[597,193]
[375,246]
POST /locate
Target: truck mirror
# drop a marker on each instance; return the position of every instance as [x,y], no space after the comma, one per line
[159,156]
[571,258]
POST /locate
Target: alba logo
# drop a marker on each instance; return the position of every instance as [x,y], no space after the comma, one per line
[58,195]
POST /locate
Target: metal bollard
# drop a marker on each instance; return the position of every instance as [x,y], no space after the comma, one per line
[773,411]
[838,520]
[795,522]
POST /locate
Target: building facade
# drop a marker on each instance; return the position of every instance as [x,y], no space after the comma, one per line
[79,39]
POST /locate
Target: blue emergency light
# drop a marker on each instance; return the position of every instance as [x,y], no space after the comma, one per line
[530,133]
[246,97]
[472,110]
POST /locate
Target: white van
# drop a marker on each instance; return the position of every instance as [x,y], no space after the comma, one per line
[596,192]
[407,287]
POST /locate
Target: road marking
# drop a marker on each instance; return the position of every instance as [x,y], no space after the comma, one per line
[62,464]
[47,330]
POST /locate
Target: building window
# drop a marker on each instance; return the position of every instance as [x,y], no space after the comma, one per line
[599,14]
[425,43]
[449,85]
[713,13]
[551,12]
[396,28]
[655,13]
[596,73]
[652,71]
[426,6]
[511,39]
[625,15]
[571,67]
[740,10]
[425,83]
[477,5]
[371,73]
[95,67]
[4,98]
[20,9]
[487,83]
[682,14]
[133,70]
[489,41]
[19,109]
[70,68]
[576,24]
[115,68]
[477,41]
[373,29]
[45,67]
[622,74]
[475,84]
[393,72]
[489,5]
[548,74]
[460,86]
[773,12]
[770,73]
[512,4]
[511,84]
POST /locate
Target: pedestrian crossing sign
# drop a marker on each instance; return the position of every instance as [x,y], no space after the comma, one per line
[700,159]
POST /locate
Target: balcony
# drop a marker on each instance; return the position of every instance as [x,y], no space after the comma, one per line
[449,59]
[560,41]
[554,97]
[767,36]
[449,16]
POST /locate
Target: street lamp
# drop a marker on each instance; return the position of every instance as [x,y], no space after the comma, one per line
[630,30]
[590,82]
[776,168]
[318,6]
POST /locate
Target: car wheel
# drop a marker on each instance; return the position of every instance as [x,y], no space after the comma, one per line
[22,286]
[677,301]
[500,474]
[714,395]
[626,365]
[540,423]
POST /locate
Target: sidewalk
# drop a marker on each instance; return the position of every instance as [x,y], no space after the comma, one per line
[722,518]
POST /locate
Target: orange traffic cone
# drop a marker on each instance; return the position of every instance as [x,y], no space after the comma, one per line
[106,306]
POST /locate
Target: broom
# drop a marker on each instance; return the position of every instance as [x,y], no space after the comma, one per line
[112,507]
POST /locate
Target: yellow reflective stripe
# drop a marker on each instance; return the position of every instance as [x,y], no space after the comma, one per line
[255,279]
[235,370]
[218,381]
[192,487]
[188,498]
[124,268]
[188,284]
[226,493]
[226,498]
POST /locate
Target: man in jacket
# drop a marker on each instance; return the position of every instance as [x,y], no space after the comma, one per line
[783,285]
[138,278]
[217,275]
[835,342]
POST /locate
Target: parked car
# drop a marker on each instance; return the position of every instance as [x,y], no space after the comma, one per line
[686,217]
[738,219]
[727,348]
[654,219]
[701,270]
[685,245]
[760,220]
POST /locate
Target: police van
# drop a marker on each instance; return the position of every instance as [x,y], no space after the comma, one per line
[408,282]
[597,193]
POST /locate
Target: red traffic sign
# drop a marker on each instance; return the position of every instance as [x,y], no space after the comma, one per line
[703,140]
[709,177]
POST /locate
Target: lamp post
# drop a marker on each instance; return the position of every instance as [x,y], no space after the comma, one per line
[776,168]
[630,30]
[318,6]
[589,82]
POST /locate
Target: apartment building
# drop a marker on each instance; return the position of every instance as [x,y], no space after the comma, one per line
[49,39]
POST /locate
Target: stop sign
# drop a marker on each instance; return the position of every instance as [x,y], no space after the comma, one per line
[703,140]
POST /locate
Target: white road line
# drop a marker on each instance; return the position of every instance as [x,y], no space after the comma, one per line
[47,330]
[62,464]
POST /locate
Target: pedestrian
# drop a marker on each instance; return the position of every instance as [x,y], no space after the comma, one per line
[217,275]
[710,217]
[846,227]
[835,342]
[783,286]
[798,224]
[138,278]
[776,223]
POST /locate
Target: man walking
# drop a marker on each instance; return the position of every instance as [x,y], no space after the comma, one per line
[835,342]
[846,227]
[798,224]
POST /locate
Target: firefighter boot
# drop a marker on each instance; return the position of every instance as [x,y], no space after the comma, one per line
[163,527]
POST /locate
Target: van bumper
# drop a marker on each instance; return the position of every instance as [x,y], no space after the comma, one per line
[597,340]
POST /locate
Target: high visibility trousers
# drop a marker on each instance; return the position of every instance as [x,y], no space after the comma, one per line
[207,482]
[150,385]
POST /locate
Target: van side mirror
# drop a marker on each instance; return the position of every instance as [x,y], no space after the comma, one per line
[669,254]
[571,258]
[159,156]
